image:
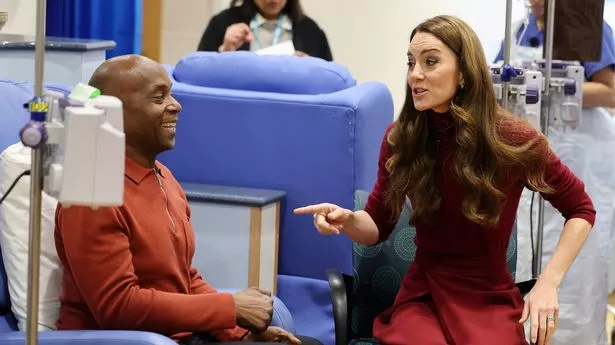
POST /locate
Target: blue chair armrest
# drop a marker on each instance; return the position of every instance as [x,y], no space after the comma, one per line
[339,298]
[281,315]
[88,338]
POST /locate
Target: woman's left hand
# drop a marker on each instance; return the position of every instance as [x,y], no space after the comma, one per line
[541,306]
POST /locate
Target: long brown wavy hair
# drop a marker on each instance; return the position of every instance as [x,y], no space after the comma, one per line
[491,141]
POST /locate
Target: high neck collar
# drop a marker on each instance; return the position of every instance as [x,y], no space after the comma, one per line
[441,121]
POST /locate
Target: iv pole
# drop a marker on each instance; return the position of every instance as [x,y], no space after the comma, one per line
[34,135]
[507,72]
[545,112]
[507,43]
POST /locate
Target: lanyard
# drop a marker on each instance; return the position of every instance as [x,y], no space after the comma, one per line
[276,33]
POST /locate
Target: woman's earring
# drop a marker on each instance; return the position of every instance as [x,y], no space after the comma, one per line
[455,101]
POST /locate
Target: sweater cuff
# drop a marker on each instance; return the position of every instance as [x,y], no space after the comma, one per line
[232,335]
[587,216]
[227,314]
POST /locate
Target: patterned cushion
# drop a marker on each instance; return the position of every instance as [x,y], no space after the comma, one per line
[378,271]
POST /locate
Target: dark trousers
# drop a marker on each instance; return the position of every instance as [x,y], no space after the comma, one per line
[198,339]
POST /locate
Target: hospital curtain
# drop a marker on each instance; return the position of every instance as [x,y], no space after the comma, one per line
[116,20]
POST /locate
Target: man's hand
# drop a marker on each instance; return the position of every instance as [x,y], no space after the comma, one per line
[254,309]
[273,334]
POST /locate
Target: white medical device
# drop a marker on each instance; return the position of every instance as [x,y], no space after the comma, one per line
[567,89]
[525,88]
[84,154]
[526,84]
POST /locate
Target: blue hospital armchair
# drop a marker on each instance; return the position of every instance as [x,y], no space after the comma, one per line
[13,116]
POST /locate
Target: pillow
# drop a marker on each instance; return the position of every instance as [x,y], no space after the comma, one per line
[14,241]
[265,73]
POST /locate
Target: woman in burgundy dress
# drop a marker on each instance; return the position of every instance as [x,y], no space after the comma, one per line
[462,161]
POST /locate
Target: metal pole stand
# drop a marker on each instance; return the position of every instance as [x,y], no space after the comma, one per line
[34,135]
[545,116]
[507,73]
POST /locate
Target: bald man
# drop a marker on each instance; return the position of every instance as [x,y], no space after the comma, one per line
[130,267]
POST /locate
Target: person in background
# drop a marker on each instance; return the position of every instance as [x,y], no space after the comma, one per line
[130,267]
[257,24]
[589,151]
[462,162]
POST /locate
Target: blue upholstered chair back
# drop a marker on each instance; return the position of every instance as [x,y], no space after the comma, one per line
[378,270]
[301,125]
